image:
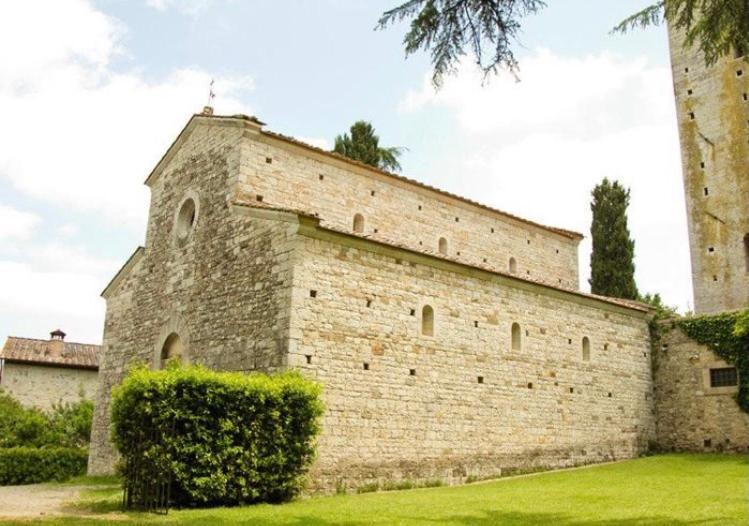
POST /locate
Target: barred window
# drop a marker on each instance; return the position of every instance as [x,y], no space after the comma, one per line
[724,377]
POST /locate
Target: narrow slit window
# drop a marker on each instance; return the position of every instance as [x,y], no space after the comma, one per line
[427,321]
[442,246]
[358,223]
[746,251]
[586,349]
[513,265]
[516,337]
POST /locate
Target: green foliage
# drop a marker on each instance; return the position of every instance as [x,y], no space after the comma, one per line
[662,310]
[364,146]
[31,465]
[716,27]
[67,425]
[448,28]
[226,438]
[725,334]
[612,266]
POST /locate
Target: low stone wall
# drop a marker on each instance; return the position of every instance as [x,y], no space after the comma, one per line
[43,386]
[690,414]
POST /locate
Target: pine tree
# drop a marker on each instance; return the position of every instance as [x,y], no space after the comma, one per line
[612,267]
[364,146]
[488,29]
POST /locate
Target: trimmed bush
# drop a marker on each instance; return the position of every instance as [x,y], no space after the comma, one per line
[30,465]
[225,438]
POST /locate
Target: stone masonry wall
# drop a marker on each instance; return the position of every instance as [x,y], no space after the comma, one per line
[222,292]
[42,387]
[712,105]
[401,405]
[692,416]
[289,176]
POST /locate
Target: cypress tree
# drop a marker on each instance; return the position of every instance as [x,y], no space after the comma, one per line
[612,267]
[364,145]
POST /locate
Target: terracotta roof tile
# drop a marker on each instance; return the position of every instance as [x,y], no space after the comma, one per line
[29,350]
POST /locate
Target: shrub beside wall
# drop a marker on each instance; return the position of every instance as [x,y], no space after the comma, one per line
[30,465]
[225,438]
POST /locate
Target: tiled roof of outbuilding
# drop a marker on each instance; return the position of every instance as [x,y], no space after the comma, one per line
[29,350]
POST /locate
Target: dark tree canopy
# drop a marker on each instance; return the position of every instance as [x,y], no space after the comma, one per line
[448,29]
[363,145]
[612,267]
[488,29]
[716,27]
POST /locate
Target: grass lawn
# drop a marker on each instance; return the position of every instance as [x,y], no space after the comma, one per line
[661,490]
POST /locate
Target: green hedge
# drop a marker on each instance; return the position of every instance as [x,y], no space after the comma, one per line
[30,465]
[225,438]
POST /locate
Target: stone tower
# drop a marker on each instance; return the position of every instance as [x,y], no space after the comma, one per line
[712,104]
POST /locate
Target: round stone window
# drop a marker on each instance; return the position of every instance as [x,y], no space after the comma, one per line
[186,219]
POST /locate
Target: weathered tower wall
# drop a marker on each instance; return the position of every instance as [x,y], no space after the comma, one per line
[712,105]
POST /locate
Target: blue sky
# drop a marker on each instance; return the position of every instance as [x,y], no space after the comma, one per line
[95,91]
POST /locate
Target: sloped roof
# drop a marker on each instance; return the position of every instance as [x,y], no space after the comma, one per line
[256,124]
[383,240]
[29,350]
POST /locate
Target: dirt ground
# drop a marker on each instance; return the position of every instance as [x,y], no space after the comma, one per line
[36,500]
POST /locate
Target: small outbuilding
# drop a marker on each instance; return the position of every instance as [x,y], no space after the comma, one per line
[41,373]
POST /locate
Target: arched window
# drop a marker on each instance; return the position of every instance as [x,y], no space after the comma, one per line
[358,223]
[427,321]
[513,265]
[172,349]
[516,343]
[586,349]
[746,251]
[443,246]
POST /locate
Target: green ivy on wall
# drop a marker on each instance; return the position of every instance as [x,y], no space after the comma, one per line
[727,335]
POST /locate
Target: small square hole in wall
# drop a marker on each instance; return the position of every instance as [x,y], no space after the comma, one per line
[746,97]
[707,443]
[457,219]
[739,72]
[412,372]
[644,355]
[572,389]
[530,385]
[605,346]
[484,260]
[413,312]
[372,193]
[259,198]
[689,92]
[312,293]
[419,207]
[559,280]
[480,379]
[529,241]
[321,177]
[492,230]
[366,366]
[528,271]
[269,160]
[375,230]
[557,251]
[369,303]
[686,70]
[569,341]
[702,164]
[475,323]
[711,249]
[527,332]
[543,331]
[715,278]
[457,253]
[610,395]
[308,357]
[707,191]
[691,115]
[421,243]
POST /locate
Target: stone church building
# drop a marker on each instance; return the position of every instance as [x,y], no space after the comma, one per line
[452,339]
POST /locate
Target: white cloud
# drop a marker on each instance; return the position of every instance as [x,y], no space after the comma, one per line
[189,7]
[74,131]
[16,224]
[536,148]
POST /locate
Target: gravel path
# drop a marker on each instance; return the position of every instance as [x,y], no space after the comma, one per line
[36,500]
